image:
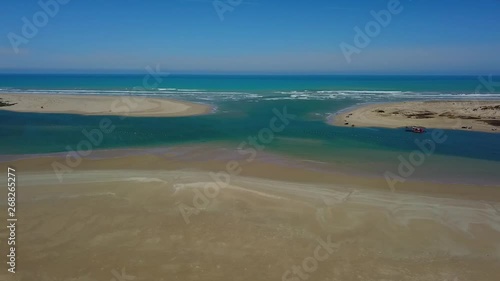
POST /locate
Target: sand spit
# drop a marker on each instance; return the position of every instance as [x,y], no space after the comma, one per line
[481,116]
[100,105]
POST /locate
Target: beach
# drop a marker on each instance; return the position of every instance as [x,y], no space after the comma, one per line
[134,106]
[197,140]
[159,217]
[260,189]
[482,116]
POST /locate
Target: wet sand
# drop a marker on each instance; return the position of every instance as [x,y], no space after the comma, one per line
[483,116]
[100,105]
[159,218]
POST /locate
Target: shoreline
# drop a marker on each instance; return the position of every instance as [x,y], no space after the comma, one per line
[214,159]
[105,105]
[158,205]
[155,211]
[479,116]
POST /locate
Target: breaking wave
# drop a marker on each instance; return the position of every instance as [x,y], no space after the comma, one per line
[214,96]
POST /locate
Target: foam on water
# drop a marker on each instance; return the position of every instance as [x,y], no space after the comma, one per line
[205,95]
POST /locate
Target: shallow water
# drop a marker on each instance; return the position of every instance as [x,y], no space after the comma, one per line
[246,105]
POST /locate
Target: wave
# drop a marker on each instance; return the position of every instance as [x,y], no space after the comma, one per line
[377,95]
[206,95]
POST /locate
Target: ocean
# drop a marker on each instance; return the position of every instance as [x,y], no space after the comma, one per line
[245,104]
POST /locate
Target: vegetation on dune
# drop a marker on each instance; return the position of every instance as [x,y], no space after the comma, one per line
[2,103]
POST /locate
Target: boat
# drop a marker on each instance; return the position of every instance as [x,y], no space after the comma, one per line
[416,129]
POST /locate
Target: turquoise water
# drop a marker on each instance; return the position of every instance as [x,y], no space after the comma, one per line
[245,105]
[245,83]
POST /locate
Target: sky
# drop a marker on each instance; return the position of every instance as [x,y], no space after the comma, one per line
[251,36]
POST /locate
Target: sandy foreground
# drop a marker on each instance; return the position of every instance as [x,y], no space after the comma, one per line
[100,105]
[151,218]
[481,116]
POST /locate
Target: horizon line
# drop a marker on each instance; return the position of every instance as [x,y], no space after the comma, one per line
[202,73]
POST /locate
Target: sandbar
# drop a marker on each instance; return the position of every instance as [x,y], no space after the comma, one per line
[136,106]
[151,217]
[483,116]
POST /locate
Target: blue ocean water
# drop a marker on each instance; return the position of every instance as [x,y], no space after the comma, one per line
[252,83]
[260,88]
[245,105]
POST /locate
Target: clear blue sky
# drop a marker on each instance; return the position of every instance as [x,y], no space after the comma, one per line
[258,36]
